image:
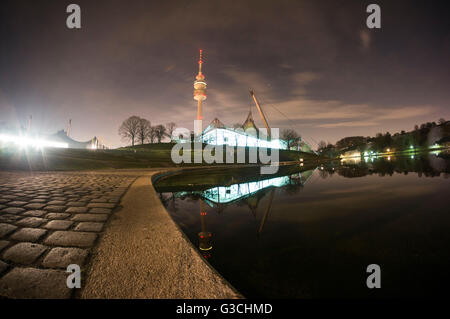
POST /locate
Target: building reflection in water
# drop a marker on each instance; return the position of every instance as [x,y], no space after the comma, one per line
[431,164]
[251,193]
[227,194]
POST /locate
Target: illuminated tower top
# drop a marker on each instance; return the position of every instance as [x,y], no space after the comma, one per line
[200,88]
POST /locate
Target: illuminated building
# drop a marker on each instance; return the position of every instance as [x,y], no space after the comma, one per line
[249,135]
[7,140]
[62,137]
[57,140]
[351,157]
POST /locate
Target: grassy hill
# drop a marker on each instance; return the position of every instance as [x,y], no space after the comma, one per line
[140,156]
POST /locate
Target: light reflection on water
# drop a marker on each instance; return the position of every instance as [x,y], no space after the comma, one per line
[312,233]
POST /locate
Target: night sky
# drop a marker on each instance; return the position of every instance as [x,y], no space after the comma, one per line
[315,61]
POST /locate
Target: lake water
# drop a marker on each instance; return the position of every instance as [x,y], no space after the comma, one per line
[311,232]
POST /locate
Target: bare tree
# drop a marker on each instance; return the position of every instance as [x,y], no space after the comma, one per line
[144,130]
[129,129]
[160,132]
[170,128]
[321,145]
[442,121]
[152,135]
[291,137]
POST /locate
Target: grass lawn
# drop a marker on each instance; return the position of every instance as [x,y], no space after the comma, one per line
[140,156]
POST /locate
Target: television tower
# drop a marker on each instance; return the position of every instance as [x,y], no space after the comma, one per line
[199,92]
[204,237]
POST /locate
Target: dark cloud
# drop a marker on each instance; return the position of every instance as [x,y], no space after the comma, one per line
[314,64]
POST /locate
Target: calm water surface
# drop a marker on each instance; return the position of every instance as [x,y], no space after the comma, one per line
[312,232]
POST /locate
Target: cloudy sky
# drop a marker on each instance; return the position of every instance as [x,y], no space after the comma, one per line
[314,65]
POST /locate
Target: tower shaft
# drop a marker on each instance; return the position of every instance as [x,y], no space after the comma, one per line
[199,110]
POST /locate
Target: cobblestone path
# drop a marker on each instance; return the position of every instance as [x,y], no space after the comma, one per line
[49,221]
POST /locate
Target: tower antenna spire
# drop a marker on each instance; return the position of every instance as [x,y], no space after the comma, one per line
[200,62]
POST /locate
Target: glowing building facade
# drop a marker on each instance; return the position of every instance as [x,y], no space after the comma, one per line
[247,135]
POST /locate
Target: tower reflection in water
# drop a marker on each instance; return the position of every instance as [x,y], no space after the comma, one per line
[204,237]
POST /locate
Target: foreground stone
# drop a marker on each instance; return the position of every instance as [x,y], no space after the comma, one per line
[89,226]
[90,217]
[63,257]
[3,267]
[71,239]
[35,283]
[98,210]
[5,229]
[34,206]
[57,216]
[3,244]
[31,222]
[77,209]
[59,224]
[129,263]
[13,210]
[24,253]
[35,213]
[100,205]
[28,234]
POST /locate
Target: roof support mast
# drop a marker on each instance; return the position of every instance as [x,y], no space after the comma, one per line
[261,113]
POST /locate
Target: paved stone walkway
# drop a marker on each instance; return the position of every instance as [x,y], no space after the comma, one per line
[49,221]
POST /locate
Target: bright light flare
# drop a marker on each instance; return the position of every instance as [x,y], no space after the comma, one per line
[24,141]
[435,145]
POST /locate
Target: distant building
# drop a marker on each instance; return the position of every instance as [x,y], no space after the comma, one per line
[351,153]
[61,137]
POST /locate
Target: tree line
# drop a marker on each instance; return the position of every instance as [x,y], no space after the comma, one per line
[136,129]
[421,136]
